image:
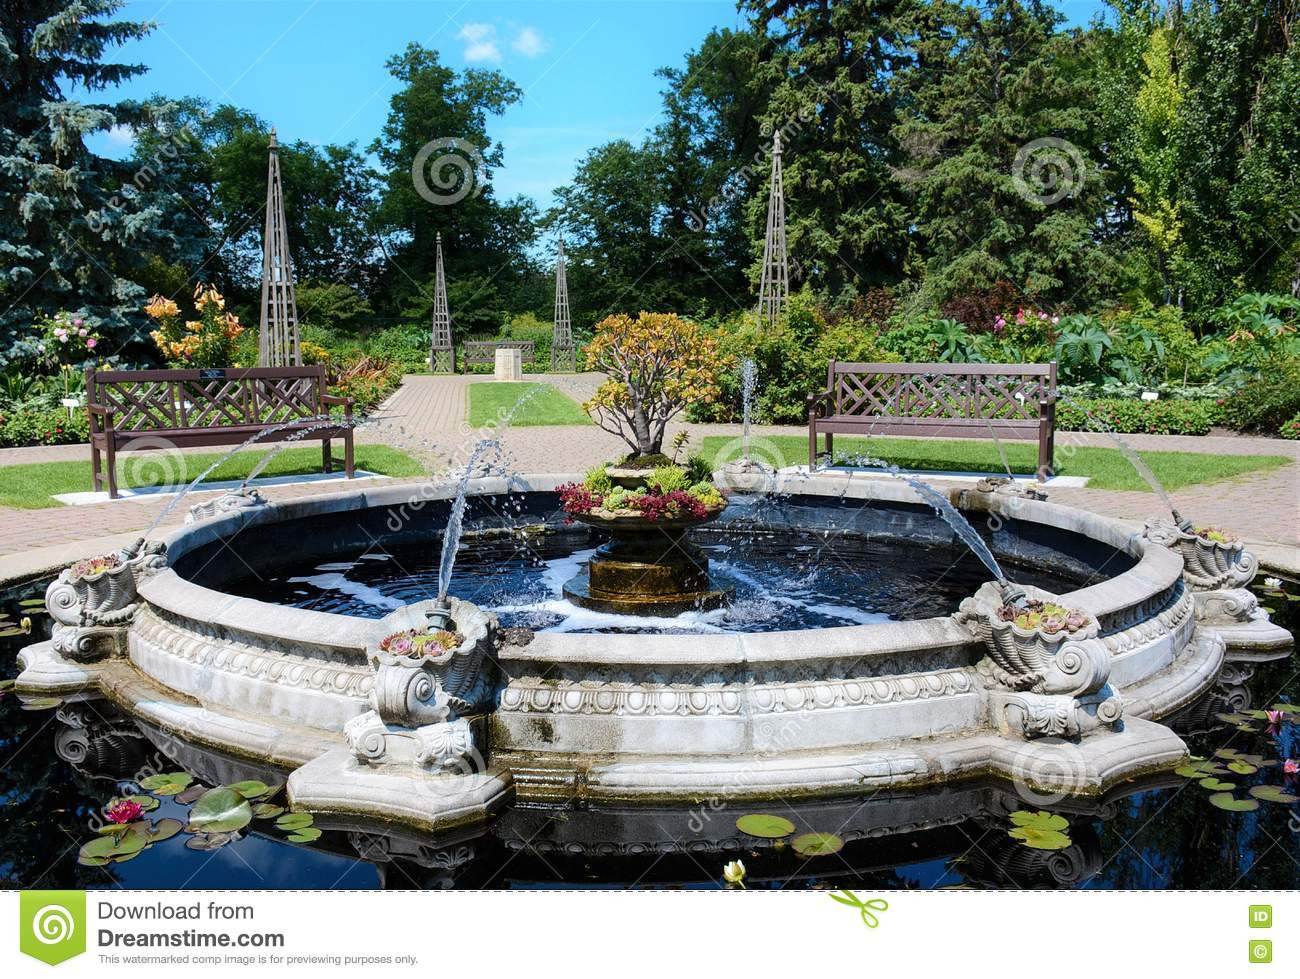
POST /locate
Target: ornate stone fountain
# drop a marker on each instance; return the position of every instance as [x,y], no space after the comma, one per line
[444,740]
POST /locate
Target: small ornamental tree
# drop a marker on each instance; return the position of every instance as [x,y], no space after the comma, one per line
[657,364]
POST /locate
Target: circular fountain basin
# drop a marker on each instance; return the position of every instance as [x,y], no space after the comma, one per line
[608,716]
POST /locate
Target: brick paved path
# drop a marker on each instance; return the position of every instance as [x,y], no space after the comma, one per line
[427,417]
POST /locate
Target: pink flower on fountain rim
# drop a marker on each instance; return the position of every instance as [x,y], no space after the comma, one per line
[124,811]
[400,646]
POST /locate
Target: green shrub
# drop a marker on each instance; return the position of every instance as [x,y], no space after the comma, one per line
[46,426]
[1266,403]
[406,346]
[1132,415]
[1291,430]
[598,481]
[666,479]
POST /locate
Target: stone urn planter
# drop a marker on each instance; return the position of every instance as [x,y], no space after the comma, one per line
[98,587]
[1212,559]
[647,567]
[1048,658]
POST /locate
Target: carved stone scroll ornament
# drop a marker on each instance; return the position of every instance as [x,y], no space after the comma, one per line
[419,700]
[92,612]
[243,498]
[1041,684]
[1006,486]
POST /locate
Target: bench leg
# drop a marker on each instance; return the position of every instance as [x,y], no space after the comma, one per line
[110,464]
[812,445]
[327,460]
[96,476]
[349,467]
[830,448]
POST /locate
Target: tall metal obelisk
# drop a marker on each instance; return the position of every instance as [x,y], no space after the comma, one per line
[278,323]
[774,289]
[563,355]
[442,352]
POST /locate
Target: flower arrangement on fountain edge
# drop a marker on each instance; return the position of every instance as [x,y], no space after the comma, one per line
[1215,535]
[94,566]
[668,492]
[1045,617]
[418,643]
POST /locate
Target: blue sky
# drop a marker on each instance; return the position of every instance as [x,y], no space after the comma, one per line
[315,68]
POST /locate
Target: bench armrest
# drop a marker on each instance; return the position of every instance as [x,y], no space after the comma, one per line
[819,400]
[100,410]
[334,399]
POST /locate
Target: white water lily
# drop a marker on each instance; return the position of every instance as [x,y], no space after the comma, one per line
[1272,582]
[734,872]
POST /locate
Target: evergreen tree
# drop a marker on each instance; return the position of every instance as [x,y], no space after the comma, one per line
[75,227]
[1000,162]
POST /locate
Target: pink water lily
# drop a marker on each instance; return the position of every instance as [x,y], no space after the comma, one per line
[1275,719]
[1291,767]
[124,811]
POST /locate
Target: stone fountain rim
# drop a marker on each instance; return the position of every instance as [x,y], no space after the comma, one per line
[1157,569]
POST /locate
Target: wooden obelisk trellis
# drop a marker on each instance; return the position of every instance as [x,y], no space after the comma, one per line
[774,289]
[563,356]
[442,352]
[278,324]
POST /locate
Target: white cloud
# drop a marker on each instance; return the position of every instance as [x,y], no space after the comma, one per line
[120,136]
[480,42]
[529,42]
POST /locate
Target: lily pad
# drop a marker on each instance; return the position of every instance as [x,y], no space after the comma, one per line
[764,826]
[251,789]
[817,844]
[32,603]
[264,810]
[40,703]
[164,829]
[171,783]
[1227,801]
[304,835]
[294,820]
[1272,793]
[208,841]
[220,810]
[146,802]
[6,685]
[102,849]
[1217,785]
[1041,821]
[1242,767]
[1040,839]
[192,794]
[1286,708]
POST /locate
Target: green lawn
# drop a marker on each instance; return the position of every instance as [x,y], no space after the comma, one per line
[34,485]
[490,401]
[1107,468]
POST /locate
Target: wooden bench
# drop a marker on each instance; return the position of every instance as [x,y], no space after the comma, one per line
[485,351]
[161,409]
[1014,401]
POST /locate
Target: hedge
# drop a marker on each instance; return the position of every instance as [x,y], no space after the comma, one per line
[1134,416]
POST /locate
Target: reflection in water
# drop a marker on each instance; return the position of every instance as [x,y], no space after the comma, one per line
[1157,833]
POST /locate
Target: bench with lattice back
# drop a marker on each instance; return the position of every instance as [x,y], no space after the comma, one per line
[159,409]
[1014,401]
[480,352]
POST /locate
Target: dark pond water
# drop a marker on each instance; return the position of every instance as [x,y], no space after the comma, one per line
[62,761]
[781,580]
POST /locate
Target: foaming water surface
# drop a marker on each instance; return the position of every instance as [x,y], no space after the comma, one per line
[791,566]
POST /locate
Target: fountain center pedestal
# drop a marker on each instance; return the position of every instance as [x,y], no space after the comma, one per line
[648,567]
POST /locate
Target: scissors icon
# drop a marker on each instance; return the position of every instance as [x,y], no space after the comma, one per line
[865,907]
